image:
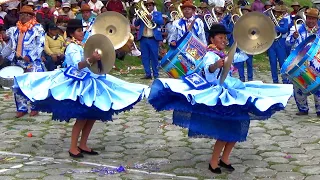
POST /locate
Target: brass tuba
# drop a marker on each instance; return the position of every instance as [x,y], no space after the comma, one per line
[142,12]
[269,12]
[210,19]
[175,15]
[229,6]
[236,15]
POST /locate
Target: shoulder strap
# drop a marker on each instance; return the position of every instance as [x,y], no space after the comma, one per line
[191,25]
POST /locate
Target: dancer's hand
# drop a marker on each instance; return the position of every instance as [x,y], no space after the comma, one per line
[219,63]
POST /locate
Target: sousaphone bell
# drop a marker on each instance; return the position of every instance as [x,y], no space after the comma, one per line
[253,33]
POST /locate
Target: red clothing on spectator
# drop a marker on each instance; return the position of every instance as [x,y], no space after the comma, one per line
[116,6]
[293,13]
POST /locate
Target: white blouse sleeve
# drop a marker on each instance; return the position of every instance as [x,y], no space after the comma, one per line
[210,58]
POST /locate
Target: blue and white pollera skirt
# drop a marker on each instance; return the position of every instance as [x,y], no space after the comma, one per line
[220,112]
[69,93]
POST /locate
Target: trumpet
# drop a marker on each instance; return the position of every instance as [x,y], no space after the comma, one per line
[269,13]
[210,19]
[175,15]
[142,12]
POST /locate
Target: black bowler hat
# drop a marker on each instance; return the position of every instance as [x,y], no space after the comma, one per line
[75,23]
[218,29]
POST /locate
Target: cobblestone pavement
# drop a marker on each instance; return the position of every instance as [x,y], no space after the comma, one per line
[149,147]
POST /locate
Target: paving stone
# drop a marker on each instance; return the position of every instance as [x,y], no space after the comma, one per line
[283,167]
[30,175]
[114,148]
[254,163]
[310,170]
[273,154]
[181,156]
[242,176]
[289,176]
[316,177]
[276,160]
[6,177]
[56,177]
[262,172]
[33,168]
[9,172]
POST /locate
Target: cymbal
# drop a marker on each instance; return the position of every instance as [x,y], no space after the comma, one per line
[113,25]
[228,62]
[254,33]
[103,45]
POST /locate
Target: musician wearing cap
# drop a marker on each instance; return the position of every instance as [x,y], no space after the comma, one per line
[149,38]
[297,35]
[24,49]
[87,21]
[189,23]
[277,52]
[83,90]
[291,19]
[222,109]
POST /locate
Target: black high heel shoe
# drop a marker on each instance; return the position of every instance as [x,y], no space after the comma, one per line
[227,166]
[92,152]
[79,155]
[216,170]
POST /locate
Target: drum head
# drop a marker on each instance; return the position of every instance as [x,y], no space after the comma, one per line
[299,55]
[11,71]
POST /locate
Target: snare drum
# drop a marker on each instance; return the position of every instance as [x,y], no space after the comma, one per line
[186,58]
[302,67]
[7,75]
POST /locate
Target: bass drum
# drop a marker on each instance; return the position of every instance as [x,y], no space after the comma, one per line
[186,58]
[7,75]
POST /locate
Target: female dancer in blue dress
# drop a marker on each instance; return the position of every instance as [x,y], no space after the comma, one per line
[222,111]
[78,93]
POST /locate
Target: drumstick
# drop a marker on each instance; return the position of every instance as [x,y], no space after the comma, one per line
[219,73]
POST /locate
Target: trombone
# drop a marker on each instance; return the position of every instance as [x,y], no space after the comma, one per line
[269,13]
[142,12]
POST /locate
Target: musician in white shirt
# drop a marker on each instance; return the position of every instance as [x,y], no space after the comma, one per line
[95,5]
